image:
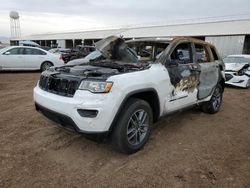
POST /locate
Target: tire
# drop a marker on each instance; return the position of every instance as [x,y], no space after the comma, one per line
[248,84]
[213,106]
[133,127]
[46,65]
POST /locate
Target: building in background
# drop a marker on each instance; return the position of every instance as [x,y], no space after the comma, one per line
[229,35]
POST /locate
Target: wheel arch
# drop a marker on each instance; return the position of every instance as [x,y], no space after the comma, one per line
[47,61]
[149,95]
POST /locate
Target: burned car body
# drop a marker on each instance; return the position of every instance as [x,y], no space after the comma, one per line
[238,70]
[122,95]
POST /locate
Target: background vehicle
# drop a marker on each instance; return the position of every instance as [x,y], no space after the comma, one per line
[65,52]
[28,58]
[74,53]
[237,70]
[81,51]
[95,55]
[122,97]
[28,43]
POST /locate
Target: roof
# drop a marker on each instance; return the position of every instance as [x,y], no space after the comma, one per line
[151,39]
[215,28]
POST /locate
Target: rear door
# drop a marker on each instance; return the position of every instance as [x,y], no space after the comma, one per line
[34,58]
[209,75]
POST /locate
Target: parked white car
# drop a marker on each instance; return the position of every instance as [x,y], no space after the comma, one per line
[28,58]
[237,70]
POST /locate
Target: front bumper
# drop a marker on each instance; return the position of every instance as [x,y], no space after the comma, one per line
[64,110]
[239,81]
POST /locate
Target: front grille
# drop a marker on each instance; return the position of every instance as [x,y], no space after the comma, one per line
[228,77]
[60,86]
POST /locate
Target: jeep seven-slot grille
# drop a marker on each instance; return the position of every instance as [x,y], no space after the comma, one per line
[59,86]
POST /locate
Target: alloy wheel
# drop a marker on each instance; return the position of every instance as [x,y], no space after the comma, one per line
[137,127]
[216,101]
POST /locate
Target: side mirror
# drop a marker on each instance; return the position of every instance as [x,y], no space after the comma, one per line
[7,53]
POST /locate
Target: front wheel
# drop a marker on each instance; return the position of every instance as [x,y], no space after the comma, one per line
[214,104]
[133,126]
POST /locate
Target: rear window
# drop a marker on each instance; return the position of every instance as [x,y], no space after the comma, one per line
[201,54]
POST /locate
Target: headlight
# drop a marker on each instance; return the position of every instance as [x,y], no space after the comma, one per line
[241,72]
[95,86]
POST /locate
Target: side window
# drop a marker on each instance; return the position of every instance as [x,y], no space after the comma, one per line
[15,51]
[30,51]
[40,52]
[146,52]
[214,54]
[201,54]
[182,54]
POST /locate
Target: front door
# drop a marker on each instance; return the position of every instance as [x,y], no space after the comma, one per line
[13,59]
[184,74]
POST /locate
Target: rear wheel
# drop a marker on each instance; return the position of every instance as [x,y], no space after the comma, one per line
[214,104]
[133,126]
[248,84]
[46,65]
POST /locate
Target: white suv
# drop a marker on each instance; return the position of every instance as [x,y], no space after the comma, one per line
[122,96]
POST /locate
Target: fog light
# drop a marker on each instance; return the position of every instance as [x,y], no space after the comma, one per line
[87,113]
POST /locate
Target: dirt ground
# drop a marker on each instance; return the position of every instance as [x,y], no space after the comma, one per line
[188,149]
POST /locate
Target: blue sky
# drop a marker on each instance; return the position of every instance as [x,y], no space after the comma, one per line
[40,16]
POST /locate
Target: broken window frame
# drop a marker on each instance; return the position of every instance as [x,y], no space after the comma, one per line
[207,51]
[214,54]
[167,58]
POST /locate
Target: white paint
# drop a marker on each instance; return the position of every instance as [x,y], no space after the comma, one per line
[26,61]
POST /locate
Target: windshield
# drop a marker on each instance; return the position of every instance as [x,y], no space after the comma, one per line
[236,60]
[93,55]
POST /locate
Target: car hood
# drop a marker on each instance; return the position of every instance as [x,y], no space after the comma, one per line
[235,66]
